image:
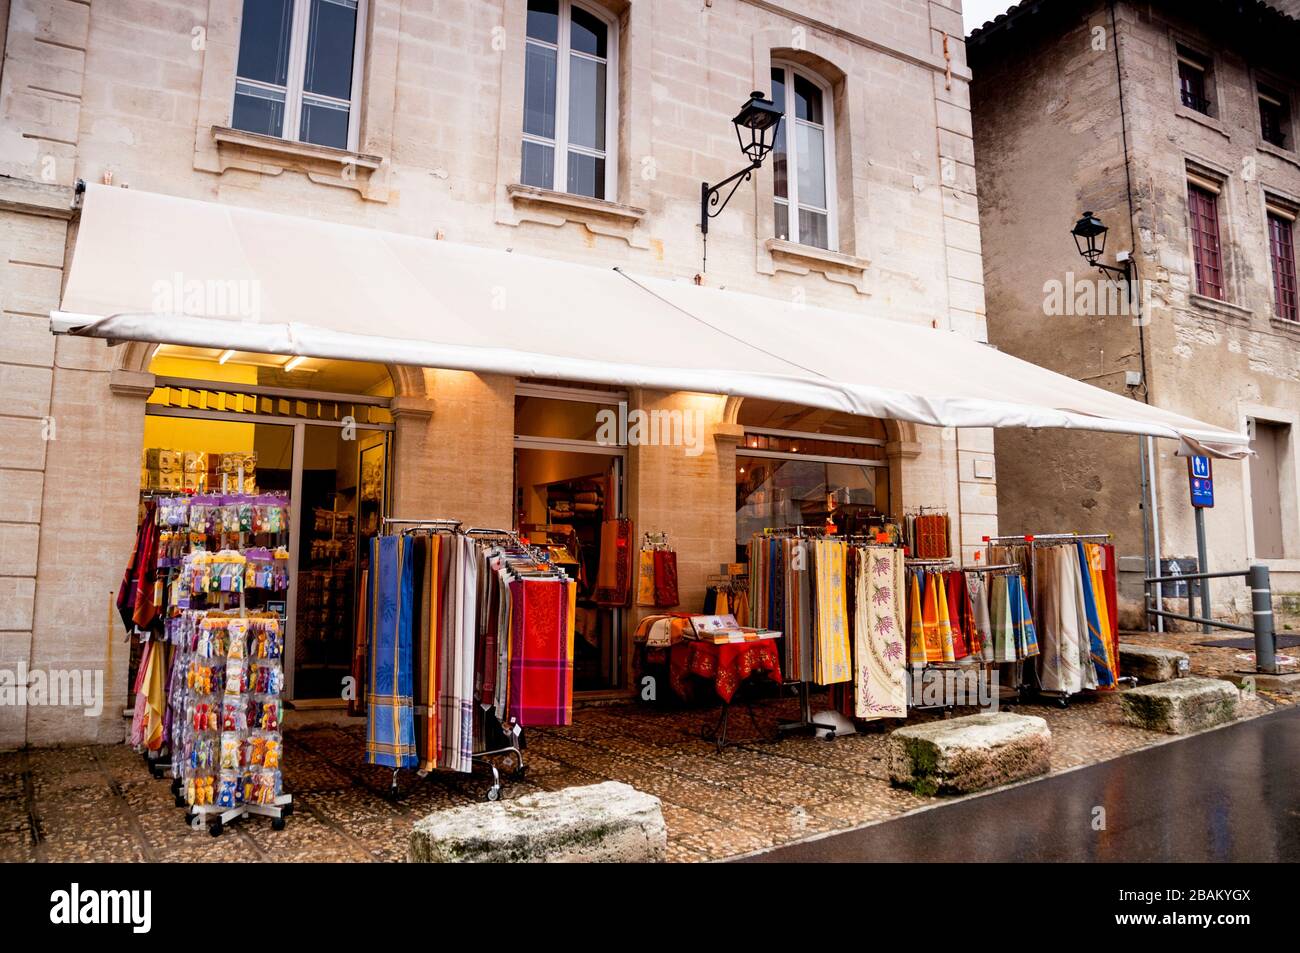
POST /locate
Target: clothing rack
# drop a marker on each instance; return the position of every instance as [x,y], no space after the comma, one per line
[512,731]
[1032,541]
[806,721]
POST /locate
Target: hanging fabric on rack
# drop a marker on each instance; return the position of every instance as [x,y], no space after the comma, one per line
[977,593]
[1097,613]
[150,698]
[879,656]
[830,620]
[916,654]
[1105,561]
[137,597]
[614,574]
[1065,662]
[390,734]
[665,584]
[645,579]
[457,572]
[357,703]
[1024,632]
[427,642]
[541,651]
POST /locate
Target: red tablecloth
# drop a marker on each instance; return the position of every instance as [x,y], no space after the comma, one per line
[725,665]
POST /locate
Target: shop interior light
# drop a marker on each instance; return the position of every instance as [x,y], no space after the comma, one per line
[225,356]
[293,363]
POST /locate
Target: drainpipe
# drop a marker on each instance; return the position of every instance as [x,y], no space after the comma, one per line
[1146,447]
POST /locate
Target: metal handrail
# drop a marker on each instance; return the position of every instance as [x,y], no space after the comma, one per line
[1261,604]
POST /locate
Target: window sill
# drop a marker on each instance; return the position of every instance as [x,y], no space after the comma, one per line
[1286,155]
[1220,309]
[1202,119]
[834,265]
[1285,325]
[598,216]
[567,204]
[254,152]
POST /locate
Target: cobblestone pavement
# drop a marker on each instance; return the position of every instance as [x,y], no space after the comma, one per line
[100,803]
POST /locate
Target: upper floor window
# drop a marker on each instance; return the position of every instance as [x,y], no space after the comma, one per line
[1281,249]
[1203,209]
[299,69]
[805,200]
[1274,116]
[570,88]
[1193,80]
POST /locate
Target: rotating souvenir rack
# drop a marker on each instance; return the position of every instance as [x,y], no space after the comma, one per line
[1031,542]
[806,721]
[221,557]
[521,560]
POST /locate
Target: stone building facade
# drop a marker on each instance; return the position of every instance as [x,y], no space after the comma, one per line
[1135,112]
[139,93]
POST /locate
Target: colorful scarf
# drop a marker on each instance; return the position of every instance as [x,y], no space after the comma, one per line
[614,574]
[1002,632]
[879,657]
[645,579]
[458,576]
[1090,556]
[1022,620]
[390,731]
[665,581]
[541,651]
[831,628]
[916,653]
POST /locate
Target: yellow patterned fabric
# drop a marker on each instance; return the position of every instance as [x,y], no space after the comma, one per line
[945,621]
[831,663]
[916,629]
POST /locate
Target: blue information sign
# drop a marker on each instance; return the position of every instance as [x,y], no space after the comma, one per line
[1200,475]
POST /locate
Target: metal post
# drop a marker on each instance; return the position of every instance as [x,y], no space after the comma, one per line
[1146,533]
[1155,527]
[1261,604]
[1202,566]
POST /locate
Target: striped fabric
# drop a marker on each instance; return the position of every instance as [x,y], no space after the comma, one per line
[390,729]
[542,619]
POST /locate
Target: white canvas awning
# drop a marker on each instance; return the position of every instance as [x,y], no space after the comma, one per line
[150,267]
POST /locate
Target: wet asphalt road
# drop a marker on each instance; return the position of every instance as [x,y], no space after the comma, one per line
[1227,795]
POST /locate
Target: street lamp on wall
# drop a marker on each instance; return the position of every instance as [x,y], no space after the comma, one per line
[756,126]
[1090,238]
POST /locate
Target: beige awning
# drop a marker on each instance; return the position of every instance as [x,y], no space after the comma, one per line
[151,267]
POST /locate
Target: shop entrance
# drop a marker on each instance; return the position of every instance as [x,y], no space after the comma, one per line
[245,427]
[568,485]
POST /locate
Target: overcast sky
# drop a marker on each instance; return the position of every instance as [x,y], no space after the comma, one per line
[976,12]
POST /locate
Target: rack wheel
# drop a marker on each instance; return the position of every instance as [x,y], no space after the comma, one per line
[494,793]
[520,772]
[180,800]
[1063,702]
[215,828]
[277,823]
[287,810]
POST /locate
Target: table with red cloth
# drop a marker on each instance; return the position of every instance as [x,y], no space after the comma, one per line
[726,664]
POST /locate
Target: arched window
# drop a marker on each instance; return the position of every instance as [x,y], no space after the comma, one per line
[803,166]
[570,97]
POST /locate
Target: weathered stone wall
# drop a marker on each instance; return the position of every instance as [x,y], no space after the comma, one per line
[134,89]
[1046,100]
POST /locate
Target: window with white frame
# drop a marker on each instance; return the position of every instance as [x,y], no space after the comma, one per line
[299,70]
[570,94]
[805,198]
